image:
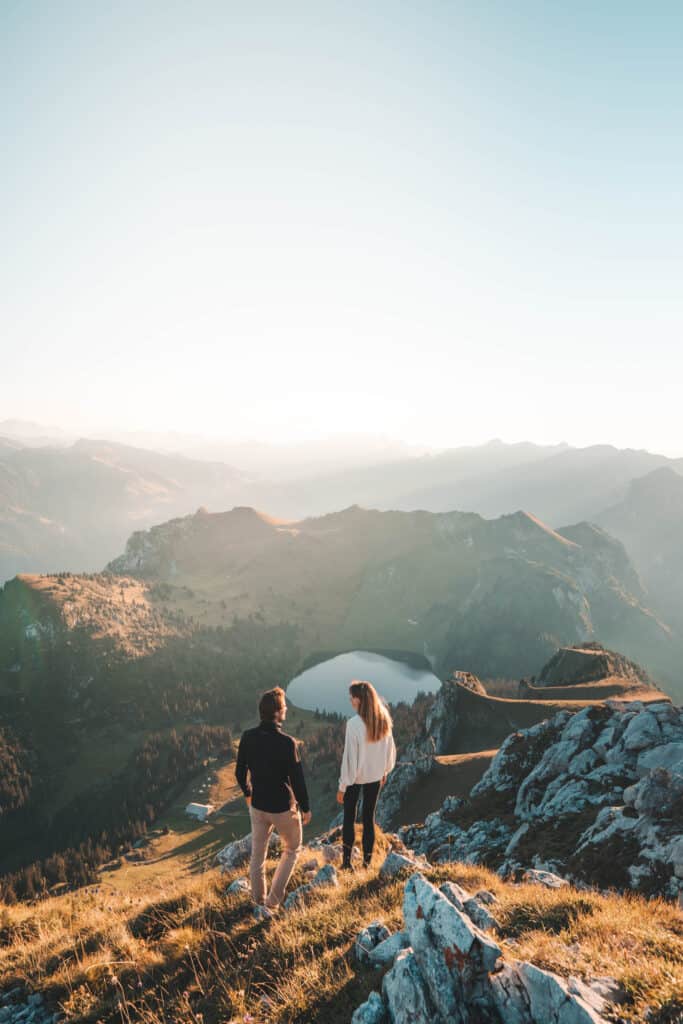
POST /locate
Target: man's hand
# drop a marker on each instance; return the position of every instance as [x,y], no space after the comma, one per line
[340,796]
[248,799]
[306,817]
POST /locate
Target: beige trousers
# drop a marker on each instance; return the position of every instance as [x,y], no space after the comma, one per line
[288,826]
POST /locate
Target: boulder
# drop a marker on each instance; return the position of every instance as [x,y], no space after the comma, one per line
[396,864]
[485,897]
[550,1001]
[236,854]
[545,878]
[455,894]
[326,876]
[299,897]
[656,795]
[642,731]
[509,996]
[372,935]
[452,954]
[332,853]
[239,887]
[372,1011]
[667,755]
[482,917]
[385,952]
[405,993]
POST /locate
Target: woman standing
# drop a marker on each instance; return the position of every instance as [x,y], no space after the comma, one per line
[369,756]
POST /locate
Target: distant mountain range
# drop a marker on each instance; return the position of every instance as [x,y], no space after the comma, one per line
[495,596]
[72,506]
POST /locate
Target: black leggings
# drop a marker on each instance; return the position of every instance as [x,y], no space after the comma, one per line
[370,794]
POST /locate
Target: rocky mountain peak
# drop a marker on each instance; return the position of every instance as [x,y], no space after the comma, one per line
[588,663]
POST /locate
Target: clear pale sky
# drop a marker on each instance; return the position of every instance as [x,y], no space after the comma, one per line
[437,221]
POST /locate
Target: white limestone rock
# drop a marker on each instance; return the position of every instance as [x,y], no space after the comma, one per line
[239,887]
[236,854]
[509,996]
[332,853]
[372,1011]
[455,894]
[642,731]
[405,993]
[550,1001]
[545,878]
[482,917]
[396,864]
[385,952]
[667,755]
[486,897]
[372,935]
[326,876]
[453,955]
[299,897]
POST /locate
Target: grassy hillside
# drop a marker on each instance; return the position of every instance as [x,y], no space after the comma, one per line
[161,941]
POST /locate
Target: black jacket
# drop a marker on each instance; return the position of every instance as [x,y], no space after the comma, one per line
[272,759]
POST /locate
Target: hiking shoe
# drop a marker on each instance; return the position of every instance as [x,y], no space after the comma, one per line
[262,913]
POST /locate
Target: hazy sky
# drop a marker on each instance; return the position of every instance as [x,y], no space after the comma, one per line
[438,221]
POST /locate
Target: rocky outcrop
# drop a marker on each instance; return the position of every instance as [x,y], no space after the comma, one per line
[591,672]
[454,972]
[16,1007]
[590,663]
[418,759]
[595,796]
[237,854]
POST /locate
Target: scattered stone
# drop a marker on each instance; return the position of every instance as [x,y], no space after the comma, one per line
[299,897]
[236,854]
[405,992]
[550,1000]
[482,917]
[325,876]
[367,939]
[385,952]
[372,1011]
[395,864]
[452,954]
[238,887]
[486,897]
[546,878]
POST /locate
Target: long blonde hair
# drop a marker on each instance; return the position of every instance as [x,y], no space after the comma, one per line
[372,710]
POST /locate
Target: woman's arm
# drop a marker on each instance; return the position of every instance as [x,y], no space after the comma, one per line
[391,755]
[350,759]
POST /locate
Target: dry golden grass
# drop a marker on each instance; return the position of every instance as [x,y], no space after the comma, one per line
[190,953]
[117,609]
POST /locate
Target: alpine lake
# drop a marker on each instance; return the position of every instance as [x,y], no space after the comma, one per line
[324,686]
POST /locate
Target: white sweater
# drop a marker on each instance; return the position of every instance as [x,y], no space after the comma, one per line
[364,761]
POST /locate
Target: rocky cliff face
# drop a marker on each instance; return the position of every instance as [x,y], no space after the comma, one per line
[595,796]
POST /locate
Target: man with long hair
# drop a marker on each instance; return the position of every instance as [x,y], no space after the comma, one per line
[275,793]
[369,756]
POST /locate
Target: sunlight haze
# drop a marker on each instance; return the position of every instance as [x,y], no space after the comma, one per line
[441,222]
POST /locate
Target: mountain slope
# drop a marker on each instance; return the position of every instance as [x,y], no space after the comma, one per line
[649,522]
[73,507]
[498,596]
